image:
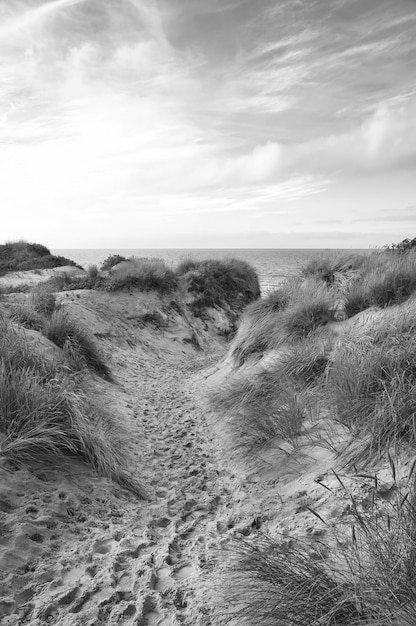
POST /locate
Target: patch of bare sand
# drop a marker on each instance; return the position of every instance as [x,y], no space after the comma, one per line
[76,548]
[30,278]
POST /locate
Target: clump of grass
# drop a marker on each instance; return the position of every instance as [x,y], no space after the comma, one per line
[45,414]
[260,407]
[92,272]
[80,348]
[385,279]
[43,299]
[187,265]
[292,313]
[369,579]
[21,256]
[371,383]
[144,274]
[306,362]
[28,317]
[337,268]
[217,283]
[111,261]
[154,318]
[267,582]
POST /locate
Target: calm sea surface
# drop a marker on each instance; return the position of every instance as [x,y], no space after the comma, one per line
[272,265]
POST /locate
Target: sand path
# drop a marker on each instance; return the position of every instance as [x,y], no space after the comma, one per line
[83,551]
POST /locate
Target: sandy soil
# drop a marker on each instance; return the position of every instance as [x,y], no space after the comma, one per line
[77,549]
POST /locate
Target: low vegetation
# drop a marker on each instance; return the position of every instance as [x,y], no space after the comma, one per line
[78,345]
[217,283]
[20,256]
[47,413]
[359,373]
[369,579]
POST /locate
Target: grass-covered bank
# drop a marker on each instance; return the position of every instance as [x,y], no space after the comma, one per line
[334,344]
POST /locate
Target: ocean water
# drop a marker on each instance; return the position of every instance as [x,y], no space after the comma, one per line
[272,265]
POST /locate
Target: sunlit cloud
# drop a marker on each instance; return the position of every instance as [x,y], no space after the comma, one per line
[173,112]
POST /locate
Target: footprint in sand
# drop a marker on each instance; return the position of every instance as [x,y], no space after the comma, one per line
[103,547]
[184,571]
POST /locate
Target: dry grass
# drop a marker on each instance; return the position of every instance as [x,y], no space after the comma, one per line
[144,274]
[369,579]
[371,383]
[260,407]
[46,413]
[43,299]
[79,346]
[229,282]
[290,314]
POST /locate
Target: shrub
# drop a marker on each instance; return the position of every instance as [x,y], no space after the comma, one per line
[92,272]
[402,246]
[215,283]
[80,348]
[111,261]
[144,274]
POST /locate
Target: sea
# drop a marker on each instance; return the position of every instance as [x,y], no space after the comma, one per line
[272,265]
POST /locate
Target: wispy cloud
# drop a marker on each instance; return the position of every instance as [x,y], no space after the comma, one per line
[176,111]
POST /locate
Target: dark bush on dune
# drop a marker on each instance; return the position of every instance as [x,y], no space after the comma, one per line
[111,261]
[22,256]
[215,283]
[145,274]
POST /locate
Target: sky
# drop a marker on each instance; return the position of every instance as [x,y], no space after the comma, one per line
[208,123]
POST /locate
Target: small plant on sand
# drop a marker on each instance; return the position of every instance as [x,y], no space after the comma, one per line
[79,347]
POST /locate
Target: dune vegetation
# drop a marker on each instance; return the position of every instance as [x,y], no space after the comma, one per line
[337,341]
[18,256]
[48,412]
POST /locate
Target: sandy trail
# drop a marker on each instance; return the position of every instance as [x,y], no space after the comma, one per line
[83,551]
[78,550]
